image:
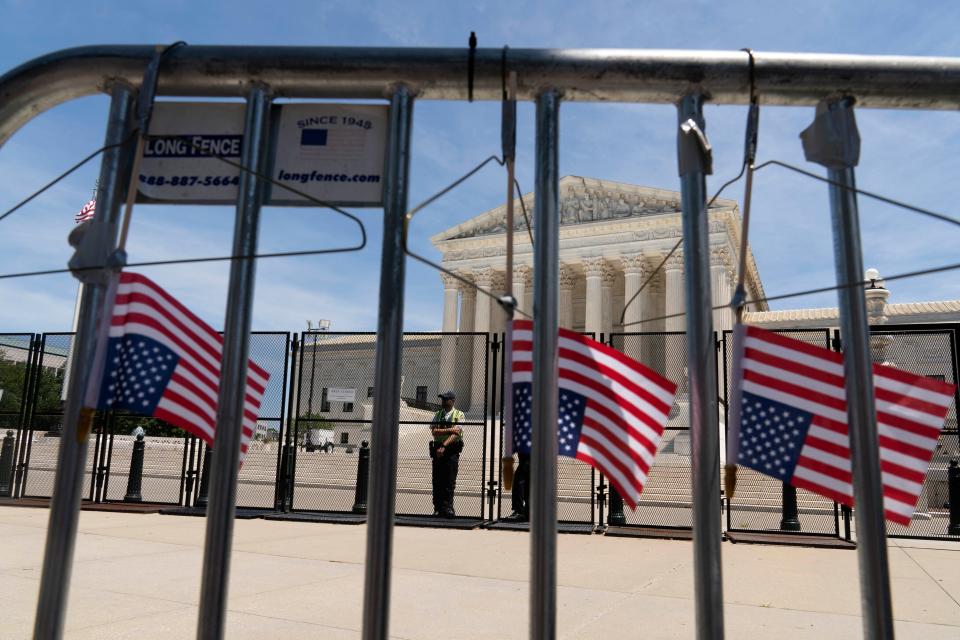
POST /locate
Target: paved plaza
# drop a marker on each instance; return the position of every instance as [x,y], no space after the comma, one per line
[137,576]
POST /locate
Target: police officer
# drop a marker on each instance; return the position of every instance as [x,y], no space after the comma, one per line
[445,451]
[520,495]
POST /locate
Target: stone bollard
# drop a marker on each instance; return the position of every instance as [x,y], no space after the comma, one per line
[363,474]
[6,466]
[615,515]
[204,479]
[135,479]
[791,517]
[953,491]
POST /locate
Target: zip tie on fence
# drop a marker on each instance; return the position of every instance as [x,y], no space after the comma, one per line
[471,64]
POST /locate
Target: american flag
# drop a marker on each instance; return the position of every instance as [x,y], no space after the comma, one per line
[86,213]
[790,405]
[163,361]
[612,409]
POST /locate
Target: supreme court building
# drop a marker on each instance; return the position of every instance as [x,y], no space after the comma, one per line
[612,237]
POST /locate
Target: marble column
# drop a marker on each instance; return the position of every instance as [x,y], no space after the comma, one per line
[720,272]
[462,379]
[521,279]
[635,272]
[594,269]
[568,278]
[483,278]
[448,342]
[675,351]
[675,304]
[607,281]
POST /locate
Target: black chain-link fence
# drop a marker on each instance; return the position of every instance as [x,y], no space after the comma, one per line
[331,402]
[666,498]
[928,351]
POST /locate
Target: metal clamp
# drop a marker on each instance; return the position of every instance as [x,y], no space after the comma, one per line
[832,140]
[694,151]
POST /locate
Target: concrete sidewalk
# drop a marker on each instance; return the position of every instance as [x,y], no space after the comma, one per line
[137,576]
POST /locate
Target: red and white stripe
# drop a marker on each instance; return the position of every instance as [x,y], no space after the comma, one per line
[86,212]
[190,400]
[627,405]
[910,414]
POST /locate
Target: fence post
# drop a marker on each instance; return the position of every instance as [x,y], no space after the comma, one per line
[363,474]
[791,517]
[135,479]
[6,465]
[283,504]
[204,479]
[953,489]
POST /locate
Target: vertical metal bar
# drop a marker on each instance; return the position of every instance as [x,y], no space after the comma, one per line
[489,488]
[65,509]
[543,459]
[278,493]
[496,454]
[386,405]
[875,601]
[702,371]
[233,372]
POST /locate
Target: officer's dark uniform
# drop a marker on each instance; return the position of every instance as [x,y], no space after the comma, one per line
[445,466]
[520,494]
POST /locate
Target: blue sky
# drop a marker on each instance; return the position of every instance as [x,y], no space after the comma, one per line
[908,155]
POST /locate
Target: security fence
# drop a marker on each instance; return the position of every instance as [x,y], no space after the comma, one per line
[315,420]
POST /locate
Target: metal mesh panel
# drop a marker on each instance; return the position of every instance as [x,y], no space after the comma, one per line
[46,419]
[929,353]
[666,498]
[576,480]
[256,487]
[758,504]
[16,359]
[328,430]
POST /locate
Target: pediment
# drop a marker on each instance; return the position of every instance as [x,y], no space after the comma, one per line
[582,201]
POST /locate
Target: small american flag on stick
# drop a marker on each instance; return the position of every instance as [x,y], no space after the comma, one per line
[789,417]
[612,413]
[86,212]
[163,361]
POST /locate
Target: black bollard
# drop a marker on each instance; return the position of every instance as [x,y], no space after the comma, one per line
[953,488]
[616,516]
[135,479]
[363,473]
[283,490]
[204,479]
[791,517]
[6,465]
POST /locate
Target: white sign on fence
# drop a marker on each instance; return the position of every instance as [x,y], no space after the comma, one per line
[183,168]
[341,395]
[332,152]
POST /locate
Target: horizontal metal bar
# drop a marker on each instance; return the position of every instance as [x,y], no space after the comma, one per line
[620,75]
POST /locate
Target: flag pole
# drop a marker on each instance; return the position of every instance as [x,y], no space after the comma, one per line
[834,142]
[694,159]
[95,248]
